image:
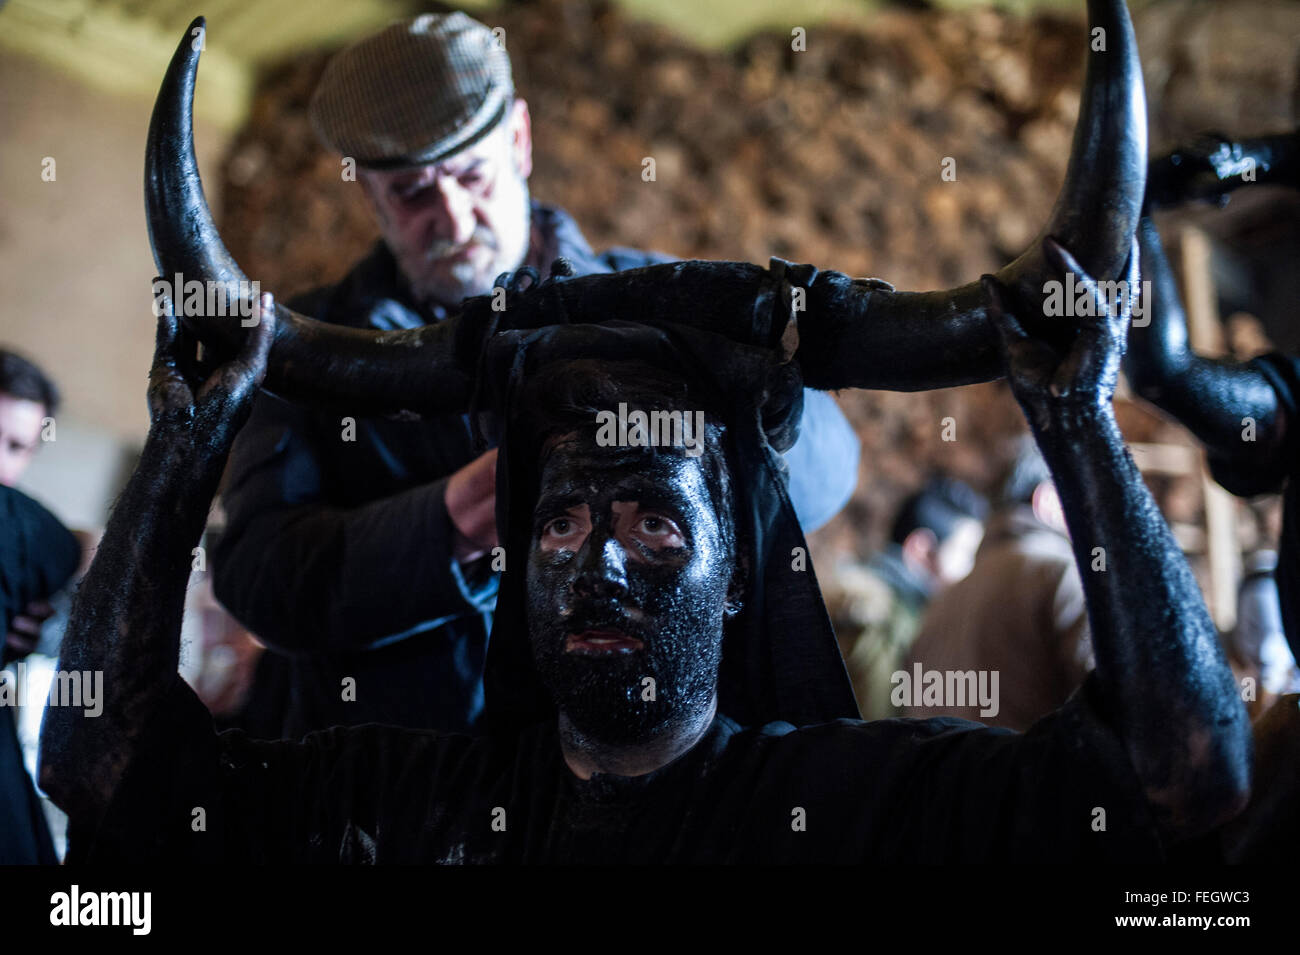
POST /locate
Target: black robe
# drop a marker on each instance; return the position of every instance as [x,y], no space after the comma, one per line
[939,790]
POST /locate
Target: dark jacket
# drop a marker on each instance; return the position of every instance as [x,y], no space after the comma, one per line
[37,556]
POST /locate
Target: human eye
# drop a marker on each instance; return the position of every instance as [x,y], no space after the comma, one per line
[477,179]
[659,530]
[404,189]
[563,532]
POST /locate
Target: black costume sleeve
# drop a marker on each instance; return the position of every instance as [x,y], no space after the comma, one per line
[309,576]
[193,795]
[1064,790]
[932,791]
[1266,477]
[943,790]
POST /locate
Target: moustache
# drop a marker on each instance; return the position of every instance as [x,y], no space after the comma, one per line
[584,619]
[443,248]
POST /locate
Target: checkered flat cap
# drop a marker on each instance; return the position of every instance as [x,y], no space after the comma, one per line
[416,92]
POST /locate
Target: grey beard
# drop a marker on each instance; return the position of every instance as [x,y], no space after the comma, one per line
[464,275]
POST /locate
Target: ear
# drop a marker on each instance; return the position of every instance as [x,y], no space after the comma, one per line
[520,130]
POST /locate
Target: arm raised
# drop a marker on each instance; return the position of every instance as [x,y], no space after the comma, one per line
[1165,682]
[126,617]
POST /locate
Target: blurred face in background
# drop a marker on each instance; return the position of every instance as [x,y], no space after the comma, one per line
[955,557]
[20,436]
[454,226]
[944,561]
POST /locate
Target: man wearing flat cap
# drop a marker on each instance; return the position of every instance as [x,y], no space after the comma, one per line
[366,557]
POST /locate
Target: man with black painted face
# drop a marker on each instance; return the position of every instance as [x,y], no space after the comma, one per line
[633,598]
[629,582]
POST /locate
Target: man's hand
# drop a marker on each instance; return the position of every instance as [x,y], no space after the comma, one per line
[471,496]
[25,629]
[205,424]
[1084,372]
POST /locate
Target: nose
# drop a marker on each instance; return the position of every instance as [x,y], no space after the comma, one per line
[602,571]
[451,209]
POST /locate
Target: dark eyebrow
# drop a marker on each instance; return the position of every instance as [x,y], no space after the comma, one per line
[557,503]
[649,499]
[407,184]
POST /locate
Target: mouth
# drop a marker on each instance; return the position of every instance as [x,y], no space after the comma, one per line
[443,253]
[603,642]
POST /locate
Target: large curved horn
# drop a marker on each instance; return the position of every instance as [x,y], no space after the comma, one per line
[855,335]
[944,335]
[1099,204]
[310,360]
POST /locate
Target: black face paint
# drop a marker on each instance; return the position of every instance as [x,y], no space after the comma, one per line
[627,583]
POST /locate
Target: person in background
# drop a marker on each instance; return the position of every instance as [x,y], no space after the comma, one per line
[1020,612]
[932,545]
[28,398]
[1258,642]
[37,556]
[38,598]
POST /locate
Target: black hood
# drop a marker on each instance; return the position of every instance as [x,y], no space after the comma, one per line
[780,658]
